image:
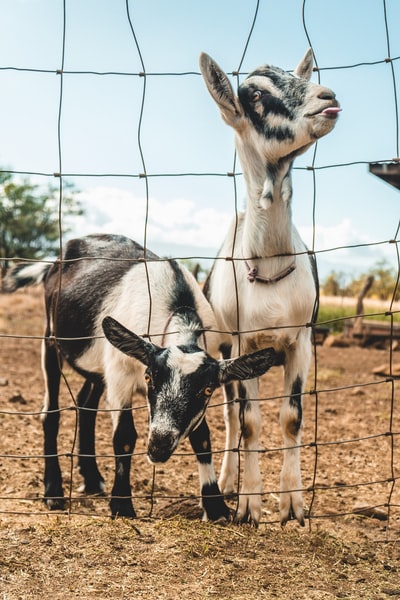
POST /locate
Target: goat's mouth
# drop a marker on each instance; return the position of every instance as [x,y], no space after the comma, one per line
[158,457]
[330,112]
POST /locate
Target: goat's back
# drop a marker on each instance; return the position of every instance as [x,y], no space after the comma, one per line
[112,275]
[77,286]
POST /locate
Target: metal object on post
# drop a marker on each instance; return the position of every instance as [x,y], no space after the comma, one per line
[388,171]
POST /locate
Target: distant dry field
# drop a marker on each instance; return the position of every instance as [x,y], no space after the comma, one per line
[350,463]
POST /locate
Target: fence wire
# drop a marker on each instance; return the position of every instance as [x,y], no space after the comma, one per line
[151,486]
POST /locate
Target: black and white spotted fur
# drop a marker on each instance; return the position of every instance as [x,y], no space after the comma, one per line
[103,275]
[269,291]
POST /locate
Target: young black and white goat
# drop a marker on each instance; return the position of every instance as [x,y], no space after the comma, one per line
[269,291]
[104,275]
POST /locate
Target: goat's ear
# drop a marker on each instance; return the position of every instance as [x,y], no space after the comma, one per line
[248,366]
[128,342]
[220,88]
[305,66]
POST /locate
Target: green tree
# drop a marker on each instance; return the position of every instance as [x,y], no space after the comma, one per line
[29,218]
[384,283]
[385,278]
[334,284]
[383,287]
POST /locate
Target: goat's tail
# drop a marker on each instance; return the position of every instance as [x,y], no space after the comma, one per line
[23,275]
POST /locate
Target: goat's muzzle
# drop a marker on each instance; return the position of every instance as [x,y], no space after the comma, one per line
[161,446]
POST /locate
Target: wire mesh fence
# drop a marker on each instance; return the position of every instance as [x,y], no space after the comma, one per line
[344,472]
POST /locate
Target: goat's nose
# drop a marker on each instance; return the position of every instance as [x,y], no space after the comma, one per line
[161,441]
[326,94]
[160,446]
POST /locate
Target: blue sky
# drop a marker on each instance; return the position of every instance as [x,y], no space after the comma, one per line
[181,130]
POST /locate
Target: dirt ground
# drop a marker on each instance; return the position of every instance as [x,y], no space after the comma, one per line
[350,463]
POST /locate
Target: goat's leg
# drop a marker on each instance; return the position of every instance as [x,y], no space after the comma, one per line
[53,490]
[229,466]
[249,506]
[124,441]
[291,418]
[119,400]
[212,499]
[88,402]
[291,500]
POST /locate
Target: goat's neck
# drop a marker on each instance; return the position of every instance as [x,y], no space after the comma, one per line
[267,229]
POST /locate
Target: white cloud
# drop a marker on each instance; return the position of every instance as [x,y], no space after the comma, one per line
[344,248]
[335,236]
[179,222]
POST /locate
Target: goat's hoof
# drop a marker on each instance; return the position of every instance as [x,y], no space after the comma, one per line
[123,509]
[291,506]
[245,519]
[249,510]
[54,503]
[213,502]
[222,516]
[293,517]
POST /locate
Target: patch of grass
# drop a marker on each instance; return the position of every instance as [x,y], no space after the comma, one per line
[335,316]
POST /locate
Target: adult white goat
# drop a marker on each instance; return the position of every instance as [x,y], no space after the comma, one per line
[101,275]
[266,294]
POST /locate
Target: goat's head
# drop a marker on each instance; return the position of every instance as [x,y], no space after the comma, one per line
[277,114]
[180,381]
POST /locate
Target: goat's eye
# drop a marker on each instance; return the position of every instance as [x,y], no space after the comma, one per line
[208,391]
[147,378]
[256,96]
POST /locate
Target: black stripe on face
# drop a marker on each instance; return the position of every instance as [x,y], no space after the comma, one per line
[293,88]
[268,103]
[260,113]
[281,99]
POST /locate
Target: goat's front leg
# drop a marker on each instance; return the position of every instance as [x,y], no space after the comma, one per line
[291,418]
[124,441]
[212,499]
[120,384]
[229,466]
[249,506]
[119,401]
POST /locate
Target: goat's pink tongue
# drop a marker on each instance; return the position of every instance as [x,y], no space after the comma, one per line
[332,110]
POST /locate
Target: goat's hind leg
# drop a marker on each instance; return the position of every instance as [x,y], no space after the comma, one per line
[88,402]
[51,366]
[291,499]
[249,506]
[212,499]
[291,418]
